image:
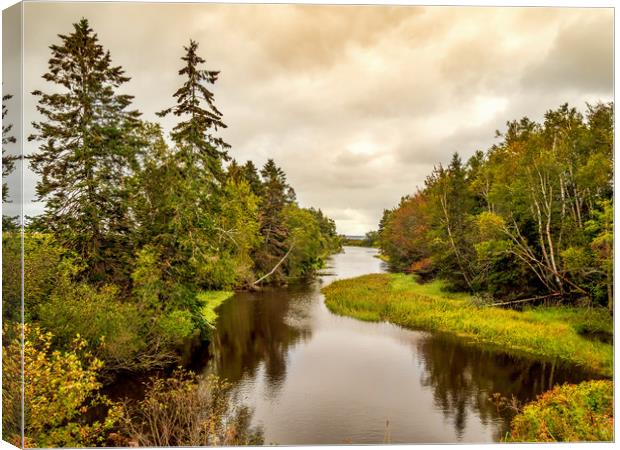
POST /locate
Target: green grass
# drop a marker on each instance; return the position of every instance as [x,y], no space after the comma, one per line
[547,333]
[211,300]
[568,413]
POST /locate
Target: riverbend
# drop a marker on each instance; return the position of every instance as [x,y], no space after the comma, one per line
[313,377]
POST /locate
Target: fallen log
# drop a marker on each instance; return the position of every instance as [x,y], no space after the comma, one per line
[541,297]
[274,267]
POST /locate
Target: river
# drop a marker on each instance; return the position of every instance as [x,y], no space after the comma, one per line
[313,377]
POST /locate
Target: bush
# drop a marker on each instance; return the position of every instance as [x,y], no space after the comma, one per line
[124,335]
[61,387]
[570,413]
[111,327]
[176,326]
[187,410]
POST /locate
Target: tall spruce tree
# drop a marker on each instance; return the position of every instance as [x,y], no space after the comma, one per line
[276,195]
[200,151]
[196,180]
[88,147]
[250,172]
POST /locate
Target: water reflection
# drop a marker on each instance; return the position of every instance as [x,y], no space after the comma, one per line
[252,330]
[463,378]
[316,378]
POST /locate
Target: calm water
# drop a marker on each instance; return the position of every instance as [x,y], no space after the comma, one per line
[316,378]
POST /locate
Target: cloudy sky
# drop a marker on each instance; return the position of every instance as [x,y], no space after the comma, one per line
[356,103]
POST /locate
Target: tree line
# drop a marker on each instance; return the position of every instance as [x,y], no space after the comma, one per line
[531,216]
[136,226]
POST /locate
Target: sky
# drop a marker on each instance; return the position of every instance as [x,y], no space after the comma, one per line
[355,103]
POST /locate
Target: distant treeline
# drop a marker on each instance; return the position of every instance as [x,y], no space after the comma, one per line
[371,239]
[531,216]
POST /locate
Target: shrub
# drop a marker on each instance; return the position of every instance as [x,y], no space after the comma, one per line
[582,412]
[111,327]
[176,326]
[189,410]
[11,383]
[123,334]
[61,387]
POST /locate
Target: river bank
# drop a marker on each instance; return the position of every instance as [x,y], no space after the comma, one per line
[552,333]
[314,377]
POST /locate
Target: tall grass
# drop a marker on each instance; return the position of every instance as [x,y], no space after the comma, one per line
[549,333]
[211,300]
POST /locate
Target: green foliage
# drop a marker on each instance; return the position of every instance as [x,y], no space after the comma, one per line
[306,240]
[186,410]
[11,275]
[568,413]
[61,387]
[199,151]
[115,330]
[176,325]
[147,277]
[44,263]
[553,333]
[238,234]
[276,195]
[531,216]
[87,146]
[8,161]
[601,229]
[371,239]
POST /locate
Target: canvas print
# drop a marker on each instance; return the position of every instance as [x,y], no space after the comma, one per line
[285,224]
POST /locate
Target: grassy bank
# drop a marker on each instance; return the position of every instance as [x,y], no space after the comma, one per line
[211,300]
[555,332]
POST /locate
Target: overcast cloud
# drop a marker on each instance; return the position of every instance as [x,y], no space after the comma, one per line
[355,103]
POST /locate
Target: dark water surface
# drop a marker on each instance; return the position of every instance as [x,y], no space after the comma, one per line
[316,378]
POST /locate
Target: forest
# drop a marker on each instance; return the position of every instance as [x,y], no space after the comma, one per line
[141,232]
[531,217]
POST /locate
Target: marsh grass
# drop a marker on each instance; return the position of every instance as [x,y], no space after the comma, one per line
[543,332]
[211,300]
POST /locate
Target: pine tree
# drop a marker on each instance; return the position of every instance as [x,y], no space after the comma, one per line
[250,172]
[195,178]
[87,148]
[8,161]
[276,195]
[200,151]
[235,171]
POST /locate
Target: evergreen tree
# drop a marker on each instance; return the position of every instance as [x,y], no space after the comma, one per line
[234,171]
[276,195]
[200,152]
[8,161]
[196,180]
[250,172]
[87,148]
